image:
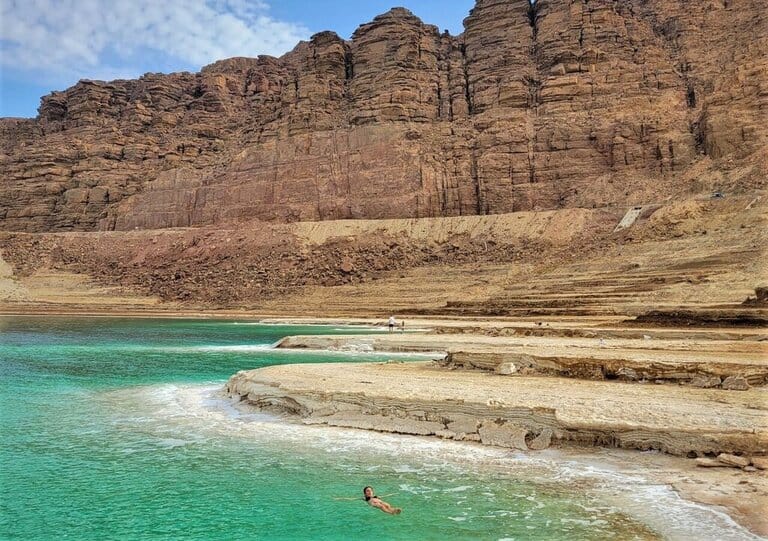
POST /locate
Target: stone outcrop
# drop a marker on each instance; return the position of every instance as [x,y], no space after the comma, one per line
[527,413]
[562,103]
[701,365]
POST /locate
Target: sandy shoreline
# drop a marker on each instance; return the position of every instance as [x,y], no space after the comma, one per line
[742,496]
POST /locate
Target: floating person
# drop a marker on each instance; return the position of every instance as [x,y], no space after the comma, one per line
[375,501]
[392,323]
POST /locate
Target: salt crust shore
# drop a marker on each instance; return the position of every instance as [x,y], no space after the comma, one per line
[649,357]
[532,412]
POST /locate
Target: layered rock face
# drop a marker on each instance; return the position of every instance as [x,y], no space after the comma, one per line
[563,103]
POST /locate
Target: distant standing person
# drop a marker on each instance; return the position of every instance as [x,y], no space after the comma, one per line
[392,323]
[402,325]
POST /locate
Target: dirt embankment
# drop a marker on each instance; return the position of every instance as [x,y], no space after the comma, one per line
[687,318]
[694,253]
[243,266]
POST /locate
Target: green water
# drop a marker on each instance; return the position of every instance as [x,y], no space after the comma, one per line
[113,429]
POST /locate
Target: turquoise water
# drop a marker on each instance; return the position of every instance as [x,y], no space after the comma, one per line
[114,429]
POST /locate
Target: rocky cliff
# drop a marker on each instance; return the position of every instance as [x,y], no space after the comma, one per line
[561,103]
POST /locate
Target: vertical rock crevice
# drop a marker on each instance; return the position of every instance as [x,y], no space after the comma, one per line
[533,17]
[480,203]
[349,66]
[690,95]
[534,90]
[467,92]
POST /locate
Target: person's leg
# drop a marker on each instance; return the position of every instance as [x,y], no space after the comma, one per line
[393,510]
[384,506]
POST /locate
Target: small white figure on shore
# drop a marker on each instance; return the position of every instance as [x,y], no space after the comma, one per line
[392,323]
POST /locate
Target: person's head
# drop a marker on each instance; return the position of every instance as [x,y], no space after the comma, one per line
[368,492]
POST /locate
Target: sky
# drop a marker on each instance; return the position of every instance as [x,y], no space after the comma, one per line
[48,45]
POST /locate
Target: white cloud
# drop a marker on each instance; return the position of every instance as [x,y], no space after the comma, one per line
[93,38]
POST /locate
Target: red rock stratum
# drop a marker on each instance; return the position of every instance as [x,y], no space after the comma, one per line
[559,104]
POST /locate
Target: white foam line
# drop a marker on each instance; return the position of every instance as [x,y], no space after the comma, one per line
[258,348]
[338,325]
[231,348]
[363,350]
[334,326]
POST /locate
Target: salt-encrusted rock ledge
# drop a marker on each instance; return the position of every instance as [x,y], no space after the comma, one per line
[522,412]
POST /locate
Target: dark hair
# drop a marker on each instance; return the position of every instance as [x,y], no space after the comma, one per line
[366,497]
[366,488]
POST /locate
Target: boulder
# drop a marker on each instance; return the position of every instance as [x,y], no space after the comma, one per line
[705,382]
[506,369]
[735,383]
[467,425]
[503,435]
[628,374]
[347,265]
[542,441]
[710,463]
[733,460]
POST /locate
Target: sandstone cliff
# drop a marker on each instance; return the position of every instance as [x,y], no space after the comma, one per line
[563,103]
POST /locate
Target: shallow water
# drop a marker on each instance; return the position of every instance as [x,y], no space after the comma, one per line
[114,429]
